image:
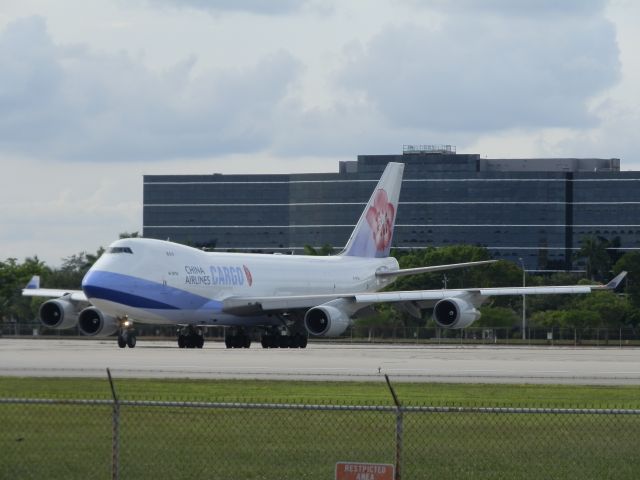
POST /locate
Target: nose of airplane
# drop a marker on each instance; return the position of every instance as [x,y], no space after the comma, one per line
[102,288]
[101,278]
[93,284]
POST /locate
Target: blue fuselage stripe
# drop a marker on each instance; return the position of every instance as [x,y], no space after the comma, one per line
[140,293]
[124,298]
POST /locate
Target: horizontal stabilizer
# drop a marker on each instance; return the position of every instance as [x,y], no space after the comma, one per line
[435,268]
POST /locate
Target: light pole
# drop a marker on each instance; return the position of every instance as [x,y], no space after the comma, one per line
[524,303]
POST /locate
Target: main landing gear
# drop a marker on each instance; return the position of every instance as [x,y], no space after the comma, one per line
[237,338]
[275,338]
[127,335]
[285,336]
[190,337]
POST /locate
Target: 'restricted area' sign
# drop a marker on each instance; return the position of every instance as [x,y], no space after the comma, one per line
[364,471]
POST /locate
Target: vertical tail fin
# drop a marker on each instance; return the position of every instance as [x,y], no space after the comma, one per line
[374,231]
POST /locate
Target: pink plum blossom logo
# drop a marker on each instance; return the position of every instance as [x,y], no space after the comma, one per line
[380,218]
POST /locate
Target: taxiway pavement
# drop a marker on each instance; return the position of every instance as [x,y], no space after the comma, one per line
[323,361]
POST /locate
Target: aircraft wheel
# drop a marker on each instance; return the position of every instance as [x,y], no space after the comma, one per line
[181,343]
[200,342]
[227,342]
[121,341]
[131,341]
[269,340]
[303,341]
[284,341]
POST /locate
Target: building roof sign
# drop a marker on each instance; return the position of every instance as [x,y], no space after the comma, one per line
[418,149]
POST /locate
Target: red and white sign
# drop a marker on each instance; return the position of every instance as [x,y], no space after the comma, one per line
[364,471]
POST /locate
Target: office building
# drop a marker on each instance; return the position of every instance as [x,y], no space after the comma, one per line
[535,209]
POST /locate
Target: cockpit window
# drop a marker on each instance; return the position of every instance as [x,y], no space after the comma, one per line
[119,250]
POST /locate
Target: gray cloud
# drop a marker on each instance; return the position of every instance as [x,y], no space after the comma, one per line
[262,7]
[73,103]
[481,73]
[340,129]
[515,7]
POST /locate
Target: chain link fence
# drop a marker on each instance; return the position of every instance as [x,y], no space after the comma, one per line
[536,336]
[42,438]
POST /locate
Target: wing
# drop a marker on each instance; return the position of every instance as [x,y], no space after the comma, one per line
[255,305]
[75,295]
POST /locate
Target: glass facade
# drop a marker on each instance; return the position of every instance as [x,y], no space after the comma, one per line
[513,210]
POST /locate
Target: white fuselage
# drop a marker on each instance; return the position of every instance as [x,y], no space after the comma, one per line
[162,282]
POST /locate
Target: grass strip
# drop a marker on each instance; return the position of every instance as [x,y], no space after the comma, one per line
[310,392]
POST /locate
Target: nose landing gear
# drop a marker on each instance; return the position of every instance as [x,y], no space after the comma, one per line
[127,335]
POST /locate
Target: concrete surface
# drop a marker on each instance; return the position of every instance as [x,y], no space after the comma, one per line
[467,364]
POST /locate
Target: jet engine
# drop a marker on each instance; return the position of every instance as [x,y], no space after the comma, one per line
[454,313]
[58,313]
[93,323]
[326,321]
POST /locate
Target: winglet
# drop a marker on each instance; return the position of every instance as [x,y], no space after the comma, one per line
[615,282]
[34,283]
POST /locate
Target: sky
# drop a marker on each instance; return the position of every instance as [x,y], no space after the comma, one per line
[94,95]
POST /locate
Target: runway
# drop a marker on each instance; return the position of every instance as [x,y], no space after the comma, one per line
[323,361]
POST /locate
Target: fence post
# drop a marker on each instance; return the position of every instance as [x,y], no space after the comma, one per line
[115,432]
[399,429]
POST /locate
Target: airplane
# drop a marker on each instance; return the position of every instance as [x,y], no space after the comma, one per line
[286,297]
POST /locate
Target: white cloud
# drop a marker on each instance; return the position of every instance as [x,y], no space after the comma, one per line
[72,103]
[54,211]
[485,74]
